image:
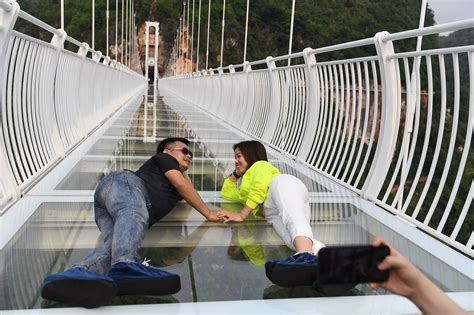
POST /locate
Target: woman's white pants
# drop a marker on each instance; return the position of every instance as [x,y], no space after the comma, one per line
[287,209]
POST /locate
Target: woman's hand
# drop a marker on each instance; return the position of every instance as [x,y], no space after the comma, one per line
[235,175]
[228,216]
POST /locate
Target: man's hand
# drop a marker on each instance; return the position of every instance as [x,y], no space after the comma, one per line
[228,216]
[213,216]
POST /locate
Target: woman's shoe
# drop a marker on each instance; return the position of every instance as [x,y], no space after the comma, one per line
[297,270]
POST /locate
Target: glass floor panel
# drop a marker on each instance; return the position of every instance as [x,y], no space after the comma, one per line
[215,261]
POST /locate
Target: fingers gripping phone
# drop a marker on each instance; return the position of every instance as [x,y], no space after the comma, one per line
[352,264]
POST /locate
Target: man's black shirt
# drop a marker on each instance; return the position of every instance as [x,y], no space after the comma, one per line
[163,195]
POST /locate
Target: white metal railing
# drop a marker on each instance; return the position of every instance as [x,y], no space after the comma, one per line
[394,127]
[51,98]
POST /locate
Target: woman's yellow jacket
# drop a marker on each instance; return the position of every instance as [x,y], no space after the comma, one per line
[254,185]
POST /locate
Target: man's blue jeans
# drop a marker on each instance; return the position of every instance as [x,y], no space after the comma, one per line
[121,212]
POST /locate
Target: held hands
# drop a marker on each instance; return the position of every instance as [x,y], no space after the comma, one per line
[225,216]
[228,216]
[213,215]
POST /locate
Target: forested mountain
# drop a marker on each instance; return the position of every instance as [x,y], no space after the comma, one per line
[318,23]
[459,38]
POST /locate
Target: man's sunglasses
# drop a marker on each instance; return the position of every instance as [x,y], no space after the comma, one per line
[184,150]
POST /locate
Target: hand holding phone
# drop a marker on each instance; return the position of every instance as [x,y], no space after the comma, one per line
[352,264]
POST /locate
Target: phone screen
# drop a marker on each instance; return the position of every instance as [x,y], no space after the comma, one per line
[352,264]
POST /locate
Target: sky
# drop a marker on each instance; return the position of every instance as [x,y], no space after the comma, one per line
[452,10]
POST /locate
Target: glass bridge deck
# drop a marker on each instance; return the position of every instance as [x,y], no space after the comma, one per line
[216,262]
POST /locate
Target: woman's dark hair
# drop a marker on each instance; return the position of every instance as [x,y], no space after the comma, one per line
[164,144]
[252,151]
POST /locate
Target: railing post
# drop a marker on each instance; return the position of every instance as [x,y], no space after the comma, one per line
[247,67]
[58,42]
[203,91]
[312,88]
[81,91]
[207,89]
[106,61]
[147,47]
[220,91]
[156,70]
[83,49]
[390,119]
[195,84]
[273,111]
[105,87]
[230,96]
[208,99]
[249,100]
[96,55]
[9,11]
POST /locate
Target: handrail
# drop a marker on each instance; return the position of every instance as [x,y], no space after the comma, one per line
[353,44]
[433,52]
[51,99]
[286,57]
[76,42]
[7,7]
[39,23]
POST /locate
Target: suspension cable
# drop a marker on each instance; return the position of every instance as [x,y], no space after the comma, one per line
[222,37]
[208,27]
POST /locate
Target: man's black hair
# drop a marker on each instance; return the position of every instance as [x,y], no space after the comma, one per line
[165,142]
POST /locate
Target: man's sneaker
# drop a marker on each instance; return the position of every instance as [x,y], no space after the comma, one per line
[79,287]
[299,269]
[138,279]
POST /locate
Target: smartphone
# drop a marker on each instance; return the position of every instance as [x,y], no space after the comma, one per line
[352,264]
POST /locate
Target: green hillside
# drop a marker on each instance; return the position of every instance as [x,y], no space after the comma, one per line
[317,23]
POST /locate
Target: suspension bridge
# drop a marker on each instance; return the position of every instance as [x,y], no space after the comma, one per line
[382,141]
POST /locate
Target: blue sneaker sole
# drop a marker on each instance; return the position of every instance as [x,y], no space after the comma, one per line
[85,293]
[291,276]
[162,286]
